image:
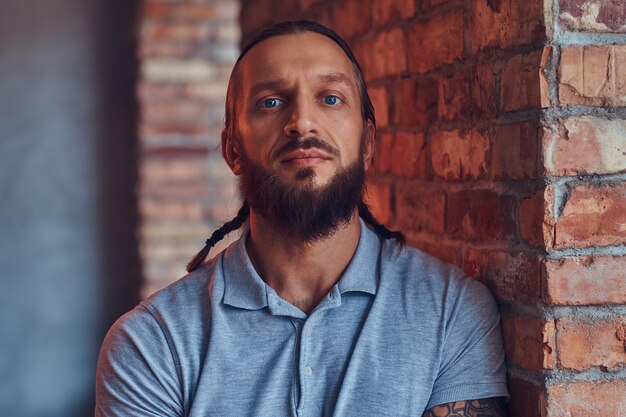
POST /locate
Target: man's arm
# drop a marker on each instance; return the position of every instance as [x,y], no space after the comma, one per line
[484,407]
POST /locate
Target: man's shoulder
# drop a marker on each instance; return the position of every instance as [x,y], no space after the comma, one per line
[420,273]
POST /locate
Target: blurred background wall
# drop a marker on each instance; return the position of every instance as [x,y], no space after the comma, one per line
[110,176]
[69,261]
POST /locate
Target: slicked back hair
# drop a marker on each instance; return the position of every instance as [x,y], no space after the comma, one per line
[234,92]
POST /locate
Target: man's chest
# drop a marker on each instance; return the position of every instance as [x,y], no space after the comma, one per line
[344,361]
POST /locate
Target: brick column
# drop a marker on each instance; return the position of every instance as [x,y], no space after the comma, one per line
[186,50]
[582,209]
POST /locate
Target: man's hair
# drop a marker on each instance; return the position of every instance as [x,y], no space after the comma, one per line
[233,92]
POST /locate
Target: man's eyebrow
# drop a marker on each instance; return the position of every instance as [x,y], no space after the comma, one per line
[336,78]
[267,85]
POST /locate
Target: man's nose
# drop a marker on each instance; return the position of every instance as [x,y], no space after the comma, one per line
[301,120]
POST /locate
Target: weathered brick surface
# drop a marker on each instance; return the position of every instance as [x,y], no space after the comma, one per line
[480,215]
[436,42]
[593,16]
[467,93]
[583,343]
[389,11]
[378,198]
[414,102]
[378,95]
[535,218]
[351,18]
[502,24]
[515,151]
[585,145]
[386,55]
[382,153]
[587,398]
[408,154]
[586,280]
[420,207]
[513,278]
[593,215]
[521,82]
[526,398]
[529,341]
[460,155]
[593,75]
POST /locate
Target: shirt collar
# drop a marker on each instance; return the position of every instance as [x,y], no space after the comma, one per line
[244,288]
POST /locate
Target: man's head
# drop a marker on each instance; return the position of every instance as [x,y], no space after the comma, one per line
[299,139]
[299,130]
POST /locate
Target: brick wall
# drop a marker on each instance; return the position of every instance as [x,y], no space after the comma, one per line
[502,148]
[186,50]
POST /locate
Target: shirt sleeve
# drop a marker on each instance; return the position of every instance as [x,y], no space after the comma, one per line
[137,374]
[472,364]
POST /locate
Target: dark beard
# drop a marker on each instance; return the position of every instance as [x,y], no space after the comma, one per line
[302,210]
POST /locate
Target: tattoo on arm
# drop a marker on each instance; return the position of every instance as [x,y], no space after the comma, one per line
[484,407]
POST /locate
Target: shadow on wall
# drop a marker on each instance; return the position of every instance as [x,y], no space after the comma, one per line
[68,252]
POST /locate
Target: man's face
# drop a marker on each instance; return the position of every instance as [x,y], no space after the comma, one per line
[299,111]
[300,143]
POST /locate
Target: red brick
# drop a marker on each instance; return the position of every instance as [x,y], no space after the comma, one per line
[587,398]
[586,145]
[351,17]
[584,343]
[593,75]
[593,215]
[378,199]
[482,90]
[515,151]
[436,42]
[409,155]
[509,277]
[305,4]
[386,11]
[430,4]
[526,399]
[382,155]
[544,69]
[593,16]
[378,95]
[455,101]
[480,215]
[460,155]
[535,223]
[205,12]
[386,55]
[420,208]
[529,342]
[520,80]
[414,102]
[154,10]
[587,280]
[505,23]
[173,32]
[436,247]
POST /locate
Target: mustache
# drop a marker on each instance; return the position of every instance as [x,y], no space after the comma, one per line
[307,143]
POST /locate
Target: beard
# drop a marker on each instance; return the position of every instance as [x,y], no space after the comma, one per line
[302,210]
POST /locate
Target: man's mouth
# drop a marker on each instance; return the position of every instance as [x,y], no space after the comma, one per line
[305,157]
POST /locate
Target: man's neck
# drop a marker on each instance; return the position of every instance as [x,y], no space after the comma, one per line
[301,273]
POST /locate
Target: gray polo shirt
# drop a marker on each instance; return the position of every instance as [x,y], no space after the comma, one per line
[395,336]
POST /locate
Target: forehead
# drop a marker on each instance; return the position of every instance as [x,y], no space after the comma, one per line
[289,57]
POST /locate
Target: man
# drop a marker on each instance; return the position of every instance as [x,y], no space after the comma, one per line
[310,313]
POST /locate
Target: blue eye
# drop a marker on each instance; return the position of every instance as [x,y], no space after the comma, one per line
[271,103]
[331,100]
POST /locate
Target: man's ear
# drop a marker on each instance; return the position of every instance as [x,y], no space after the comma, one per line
[368,146]
[231,152]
